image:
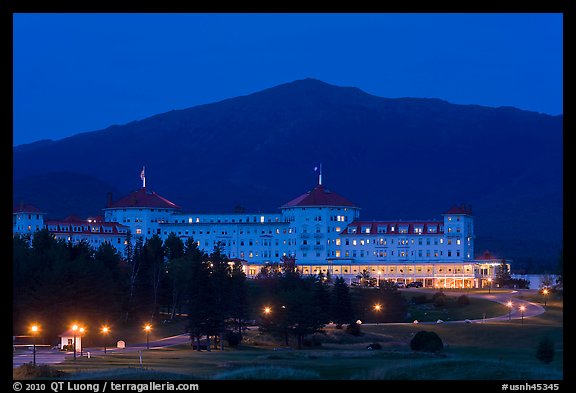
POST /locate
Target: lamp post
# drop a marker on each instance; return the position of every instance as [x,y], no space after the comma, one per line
[522,309]
[34,329]
[74,329]
[545,292]
[105,330]
[510,305]
[378,283]
[147,329]
[267,310]
[490,285]
[81,330]
[377,308]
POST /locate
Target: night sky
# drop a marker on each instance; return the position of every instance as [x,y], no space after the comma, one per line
[83,72]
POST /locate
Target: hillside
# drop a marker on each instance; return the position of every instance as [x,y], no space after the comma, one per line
[407,158]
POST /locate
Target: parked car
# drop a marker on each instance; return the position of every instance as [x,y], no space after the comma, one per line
[400,284]
[415,284]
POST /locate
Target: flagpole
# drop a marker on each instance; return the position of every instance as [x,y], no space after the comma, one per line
[320,176]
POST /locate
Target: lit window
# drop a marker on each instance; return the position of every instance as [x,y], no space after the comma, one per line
[138,231]
[458,241]
[337,253]
[354,242]
[190,220]
[441,241]
[337,242]
[261,219]
[338,229]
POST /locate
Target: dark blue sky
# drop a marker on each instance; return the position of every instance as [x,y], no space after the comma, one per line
[83,72]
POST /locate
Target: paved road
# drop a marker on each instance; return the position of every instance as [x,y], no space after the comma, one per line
[49,356]
[46,355]
[531,309]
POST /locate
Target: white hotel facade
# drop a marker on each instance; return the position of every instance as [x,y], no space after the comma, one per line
[320,228]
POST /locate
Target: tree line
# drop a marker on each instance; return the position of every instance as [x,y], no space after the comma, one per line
[57,282]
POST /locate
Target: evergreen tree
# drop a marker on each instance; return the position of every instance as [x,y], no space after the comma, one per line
[503,274]
[219,283]
[177,273]
[155,252]
[238,296]
[341,303]
[198,296]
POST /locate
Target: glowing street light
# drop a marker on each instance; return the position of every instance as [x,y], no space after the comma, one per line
[545,292]
[522,309]
[34,329]
[147,329]
[105,330]
[267,310]
[377,308]
[510,305]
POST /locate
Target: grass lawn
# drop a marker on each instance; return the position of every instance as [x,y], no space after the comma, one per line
[452,311]
[492,350]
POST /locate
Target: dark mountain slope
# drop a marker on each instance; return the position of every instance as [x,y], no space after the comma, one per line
[406,158]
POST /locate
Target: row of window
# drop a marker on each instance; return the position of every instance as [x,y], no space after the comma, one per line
[399,253]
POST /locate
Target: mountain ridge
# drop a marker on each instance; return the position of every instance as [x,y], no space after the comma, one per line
[409,158]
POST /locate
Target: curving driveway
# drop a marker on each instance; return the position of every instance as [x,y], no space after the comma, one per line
[50,356]
[531,309]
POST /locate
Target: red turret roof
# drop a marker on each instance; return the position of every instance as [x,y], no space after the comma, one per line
[319,196]
[463,209]
[144,198]
[22,208]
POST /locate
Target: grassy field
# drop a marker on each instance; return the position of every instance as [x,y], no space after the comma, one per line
[496,350]
[452,311]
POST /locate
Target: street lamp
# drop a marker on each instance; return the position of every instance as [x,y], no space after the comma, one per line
[522,309]
[510,305]
[378,283]
[74,329]
[34,329]
[545,292]
[490,286]
[105,330]
[267,310]
[147,329]
[377,308]
[81,330]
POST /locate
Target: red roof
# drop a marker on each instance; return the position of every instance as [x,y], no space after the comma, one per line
[486,255]
[436,226]
[319,196]
[144,198]
[83,226]
[463,209]
[22,208]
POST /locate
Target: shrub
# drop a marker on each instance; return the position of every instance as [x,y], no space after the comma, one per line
[518,283]
[463,300]
[545,350]
[232,338]
[29,371]
[263,372]
[312,341]
[439,299]
[354,329]
[427,342]
[374,346]
[420,299]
